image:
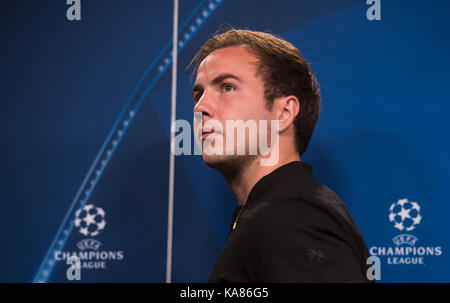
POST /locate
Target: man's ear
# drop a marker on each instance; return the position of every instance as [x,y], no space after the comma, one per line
[287,108]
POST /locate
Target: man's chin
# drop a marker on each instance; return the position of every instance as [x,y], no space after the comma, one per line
[228,164]
[216,161]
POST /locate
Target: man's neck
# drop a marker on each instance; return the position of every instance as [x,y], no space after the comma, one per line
[243,182]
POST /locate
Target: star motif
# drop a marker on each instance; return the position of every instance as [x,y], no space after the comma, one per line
[77,222]
[84,231]
[89,219]
[404,213]
[417,219]
[407,211]
[101,225]
[391,217]
[410,228]
[399,225]
[392,207]
[100,211]
[415,206]
[402,202]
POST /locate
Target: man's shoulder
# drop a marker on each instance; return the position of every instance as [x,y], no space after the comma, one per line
[314,210]
[296,210]
[301,195]
[304,196]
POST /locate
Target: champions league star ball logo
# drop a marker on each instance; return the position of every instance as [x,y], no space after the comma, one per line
[90,220]
[405,215]
[91,253]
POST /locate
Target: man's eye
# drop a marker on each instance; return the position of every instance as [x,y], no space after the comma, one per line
[196,97]
[227,87]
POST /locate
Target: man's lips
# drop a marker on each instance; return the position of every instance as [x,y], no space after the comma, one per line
[205,134]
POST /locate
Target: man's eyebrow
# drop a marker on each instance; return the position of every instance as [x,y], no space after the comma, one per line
[196,88]
[220,78]
[217,80]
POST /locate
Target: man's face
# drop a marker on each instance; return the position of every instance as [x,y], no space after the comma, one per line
[227,88]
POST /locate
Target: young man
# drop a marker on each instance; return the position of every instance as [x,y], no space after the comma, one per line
[287,227]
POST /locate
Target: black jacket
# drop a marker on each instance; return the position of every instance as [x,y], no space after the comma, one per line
[292,229]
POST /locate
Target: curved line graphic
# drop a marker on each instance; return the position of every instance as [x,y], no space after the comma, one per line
[152,74]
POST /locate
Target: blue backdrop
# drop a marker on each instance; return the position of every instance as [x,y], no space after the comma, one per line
[85,120]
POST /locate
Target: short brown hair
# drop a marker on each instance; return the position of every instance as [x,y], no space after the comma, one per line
[284,72]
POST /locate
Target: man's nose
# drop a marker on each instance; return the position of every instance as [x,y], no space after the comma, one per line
[205,105]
